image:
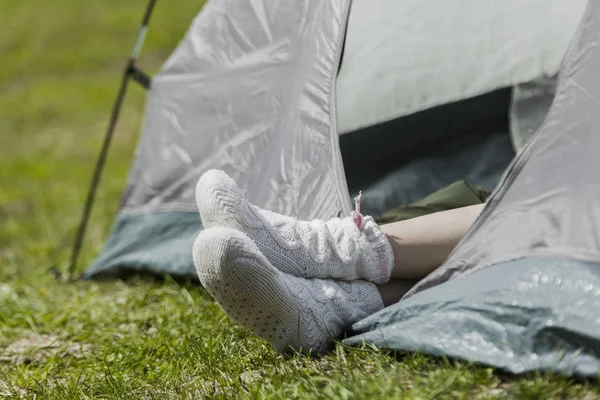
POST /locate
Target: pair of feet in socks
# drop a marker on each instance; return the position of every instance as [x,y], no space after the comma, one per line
[296,284]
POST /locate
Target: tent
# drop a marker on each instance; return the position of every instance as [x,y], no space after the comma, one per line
[304,103]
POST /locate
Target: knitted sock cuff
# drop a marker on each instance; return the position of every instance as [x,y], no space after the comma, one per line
[381,245]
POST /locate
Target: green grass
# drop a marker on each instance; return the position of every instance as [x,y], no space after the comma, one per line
[61,64]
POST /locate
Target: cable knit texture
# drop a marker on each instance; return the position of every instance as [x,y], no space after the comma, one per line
[334,249]
[293,314]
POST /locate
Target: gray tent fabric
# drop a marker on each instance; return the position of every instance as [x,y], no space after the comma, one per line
[521,316]
[547,202]
[406,56]
[252,90]
[156,244]
[249,90]
[521,290]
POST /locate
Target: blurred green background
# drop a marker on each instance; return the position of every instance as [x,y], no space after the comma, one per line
[60,68]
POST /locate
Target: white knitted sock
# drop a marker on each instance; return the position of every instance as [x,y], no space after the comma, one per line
[334,249]
[293,314]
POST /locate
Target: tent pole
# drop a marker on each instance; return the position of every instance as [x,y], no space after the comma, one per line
[130,70]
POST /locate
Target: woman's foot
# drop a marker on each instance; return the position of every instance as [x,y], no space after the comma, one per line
[334,249]
[293,314]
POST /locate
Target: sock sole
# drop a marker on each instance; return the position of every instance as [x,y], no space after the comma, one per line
[227,261]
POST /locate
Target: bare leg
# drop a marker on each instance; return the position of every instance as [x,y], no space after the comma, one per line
[422,244]
[394,290]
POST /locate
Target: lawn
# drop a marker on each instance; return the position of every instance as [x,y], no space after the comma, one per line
[60,67]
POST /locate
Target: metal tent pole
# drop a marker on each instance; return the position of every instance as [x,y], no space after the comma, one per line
[131,71]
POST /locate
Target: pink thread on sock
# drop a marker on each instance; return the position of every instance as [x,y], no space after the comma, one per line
[356,215]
